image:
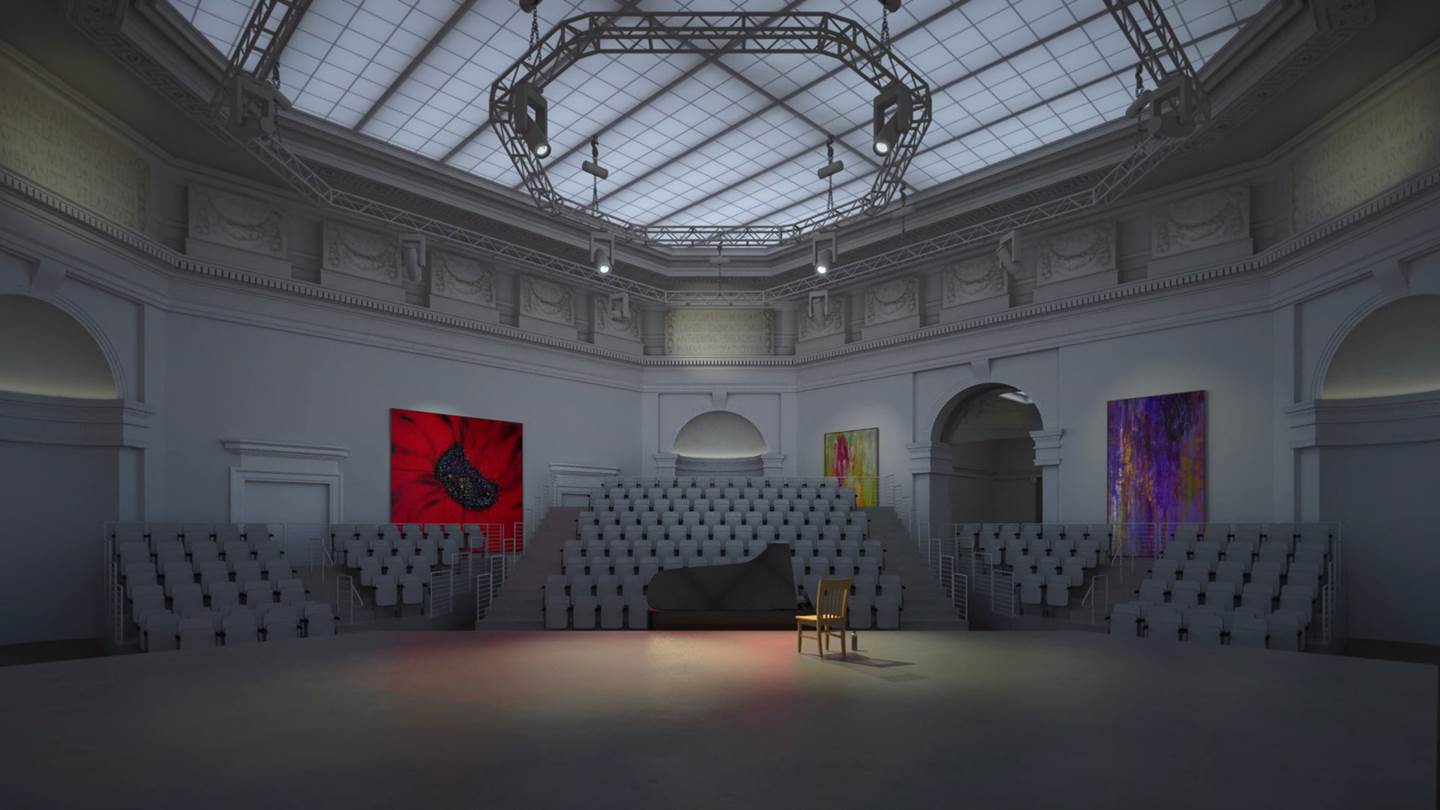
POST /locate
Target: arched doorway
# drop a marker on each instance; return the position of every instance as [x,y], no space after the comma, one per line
[993,476]
[720,443]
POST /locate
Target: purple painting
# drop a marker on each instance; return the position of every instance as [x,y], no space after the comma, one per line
[1155,462]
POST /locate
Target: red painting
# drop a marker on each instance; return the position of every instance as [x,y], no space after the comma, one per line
[456,469]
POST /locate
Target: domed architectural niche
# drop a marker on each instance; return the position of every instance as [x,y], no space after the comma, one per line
[49,353]
[1391,352]
[720,443]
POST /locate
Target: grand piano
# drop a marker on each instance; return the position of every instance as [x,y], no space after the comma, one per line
[758,594]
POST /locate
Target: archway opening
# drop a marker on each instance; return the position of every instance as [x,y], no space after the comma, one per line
[720,443]
[993,478]
[49,353]
[1391,352]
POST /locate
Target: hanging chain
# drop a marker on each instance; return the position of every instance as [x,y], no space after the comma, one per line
[830,179]
[595,179]
[534,25]
[1139,91]
[885,27]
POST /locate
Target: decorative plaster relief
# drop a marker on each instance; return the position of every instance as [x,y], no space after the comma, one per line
[547,300]
[60,148]
[358,252]
[974,279]
[1394,139]
[1209,219]
[719,332]
[816,322]
[610,323]
[235,221]
[1075,253]
[462,277]
[892,300]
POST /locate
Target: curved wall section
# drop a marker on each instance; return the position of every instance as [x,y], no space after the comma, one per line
[720,435]
[1389,353]
[49,353]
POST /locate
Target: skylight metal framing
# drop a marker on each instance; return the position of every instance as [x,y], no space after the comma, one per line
[622,32]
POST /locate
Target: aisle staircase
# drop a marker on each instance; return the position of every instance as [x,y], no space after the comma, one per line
[926,606]
[519,604]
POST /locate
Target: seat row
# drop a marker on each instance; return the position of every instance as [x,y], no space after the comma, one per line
[188,532]
[1021,555]
[724,531]
[732,488]
[427,553]
[164,552]
[463,533]
[1279,550]
[200,628]
[610,602]
[1297,595]
[1240,627]
[704,505]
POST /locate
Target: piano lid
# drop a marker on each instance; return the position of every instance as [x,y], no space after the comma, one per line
[763,583]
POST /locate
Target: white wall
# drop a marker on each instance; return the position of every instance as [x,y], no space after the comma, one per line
[1385,497]
[230,380]
[55,498]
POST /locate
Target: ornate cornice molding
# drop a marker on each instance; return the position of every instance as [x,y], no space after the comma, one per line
[174,260]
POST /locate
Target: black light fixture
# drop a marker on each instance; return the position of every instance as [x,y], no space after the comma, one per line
[529,6]
[602,253]
[892,118]
[824,251]
[531,118]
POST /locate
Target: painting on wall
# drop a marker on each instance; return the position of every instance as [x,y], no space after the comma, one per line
[456,469]
[853,456]
[1155,461]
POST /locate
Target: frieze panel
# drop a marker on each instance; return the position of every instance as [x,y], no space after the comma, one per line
[609,322]
[239,222]
[1395,139]
[59,148]
[817,322]
[547,300]
[1075,253]
[358,252]
[974,279]
[892,300]
[463,278]
[719,332]
[1214,218]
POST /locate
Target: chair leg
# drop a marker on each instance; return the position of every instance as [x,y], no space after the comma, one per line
[799,638]
[844,653]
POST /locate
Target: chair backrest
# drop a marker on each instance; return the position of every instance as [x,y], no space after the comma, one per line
[832,597]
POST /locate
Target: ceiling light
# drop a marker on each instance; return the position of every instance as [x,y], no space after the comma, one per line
[823,252]
[892,117]
[602,252]
[530,114]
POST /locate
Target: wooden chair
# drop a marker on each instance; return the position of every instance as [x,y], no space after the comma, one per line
[831,602]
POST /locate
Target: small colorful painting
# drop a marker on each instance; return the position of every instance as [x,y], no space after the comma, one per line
[1156,461]
[456,469]
[853,456]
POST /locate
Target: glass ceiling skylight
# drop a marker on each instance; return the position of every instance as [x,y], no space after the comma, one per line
[733,140]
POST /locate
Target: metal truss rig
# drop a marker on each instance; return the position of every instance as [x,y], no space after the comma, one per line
[709,33]
[101,20]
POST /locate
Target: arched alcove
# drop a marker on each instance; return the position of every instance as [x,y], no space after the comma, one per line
[49,353]
[720,442]
[1391,352]
[994,477]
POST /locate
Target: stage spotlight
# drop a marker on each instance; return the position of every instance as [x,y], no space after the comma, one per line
[823,253]
[602,253]
[531,118]
[891,119]
[891,6]
[528,6]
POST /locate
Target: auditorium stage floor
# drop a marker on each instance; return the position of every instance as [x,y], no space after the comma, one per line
[678,721]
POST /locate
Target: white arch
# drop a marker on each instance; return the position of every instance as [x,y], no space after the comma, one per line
[1325,363]
[97,339]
